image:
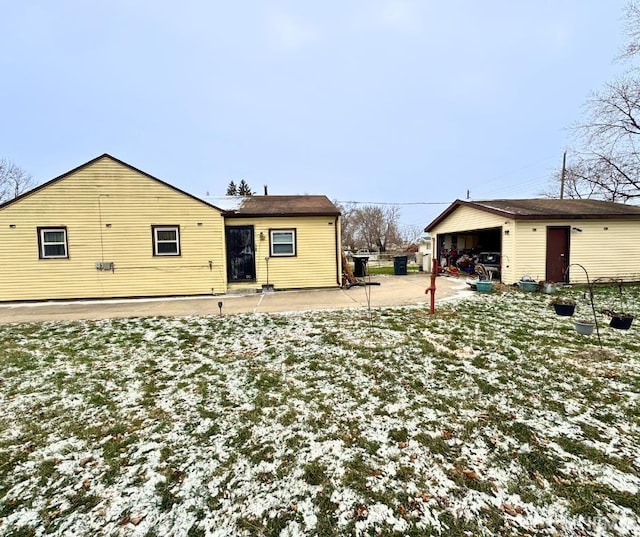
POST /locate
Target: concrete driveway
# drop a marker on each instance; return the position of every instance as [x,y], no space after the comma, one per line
[384,291]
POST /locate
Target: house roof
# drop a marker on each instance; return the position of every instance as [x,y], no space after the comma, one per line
[282,206]
[546,209]
[230,206]
[93,161]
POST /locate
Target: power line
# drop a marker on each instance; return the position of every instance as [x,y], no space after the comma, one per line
[517,170]
[531,184]
[396,203]
[485,193]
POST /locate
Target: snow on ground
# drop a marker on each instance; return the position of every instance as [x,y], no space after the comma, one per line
[492,417]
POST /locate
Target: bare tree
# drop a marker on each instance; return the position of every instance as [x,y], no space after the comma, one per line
[608,163]
[369,226]
[632,29]
[377,226]
[581,180]
[412,234]
[349,230]
[13,180]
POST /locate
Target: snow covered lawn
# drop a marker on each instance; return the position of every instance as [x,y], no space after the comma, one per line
[492,417]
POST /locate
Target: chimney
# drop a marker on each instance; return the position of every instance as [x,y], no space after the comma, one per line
[266,192]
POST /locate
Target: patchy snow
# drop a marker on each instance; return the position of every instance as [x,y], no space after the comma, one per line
[226,203]
[492,417]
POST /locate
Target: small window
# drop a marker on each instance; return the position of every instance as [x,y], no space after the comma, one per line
[283,242]
[166,240]
[52,242]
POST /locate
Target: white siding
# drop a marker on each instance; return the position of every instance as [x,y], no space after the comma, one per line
[530,250]
[509,259]
[607,249]
[467,218]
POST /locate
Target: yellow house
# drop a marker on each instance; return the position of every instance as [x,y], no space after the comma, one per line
[107,229]
[556,240]
[283,242]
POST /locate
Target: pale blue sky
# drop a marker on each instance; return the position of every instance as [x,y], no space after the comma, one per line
[398,101]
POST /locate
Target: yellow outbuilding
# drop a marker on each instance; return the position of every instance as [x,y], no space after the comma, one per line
[553,240]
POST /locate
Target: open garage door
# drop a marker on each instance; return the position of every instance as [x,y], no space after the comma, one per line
[451,246]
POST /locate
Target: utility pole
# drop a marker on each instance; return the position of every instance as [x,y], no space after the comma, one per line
[564,167]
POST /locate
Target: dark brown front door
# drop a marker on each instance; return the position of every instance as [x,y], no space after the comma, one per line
[557,254]
[241,263]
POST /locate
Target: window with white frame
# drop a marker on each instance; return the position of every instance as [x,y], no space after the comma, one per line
[166,240]
[52,243]
[283,242]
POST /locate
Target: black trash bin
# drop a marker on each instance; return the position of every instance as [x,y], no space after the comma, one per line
[360,266]
[400,265]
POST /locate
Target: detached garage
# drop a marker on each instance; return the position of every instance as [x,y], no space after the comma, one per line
[546,238]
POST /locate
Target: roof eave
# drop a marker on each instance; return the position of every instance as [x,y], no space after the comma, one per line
[234,214]
[523,217]
[577,217]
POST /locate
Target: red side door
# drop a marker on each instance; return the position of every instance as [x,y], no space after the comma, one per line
[557,254]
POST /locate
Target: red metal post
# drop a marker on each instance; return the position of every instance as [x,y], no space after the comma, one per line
[432,288]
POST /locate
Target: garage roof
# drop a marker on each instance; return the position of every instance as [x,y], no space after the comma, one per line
[547,209]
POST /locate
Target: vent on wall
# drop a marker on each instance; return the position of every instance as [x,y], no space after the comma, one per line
[104,265]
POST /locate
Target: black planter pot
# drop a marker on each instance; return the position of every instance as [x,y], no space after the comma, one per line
[565,310]
[621,322]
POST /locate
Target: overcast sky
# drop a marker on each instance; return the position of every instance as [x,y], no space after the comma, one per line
[395,101]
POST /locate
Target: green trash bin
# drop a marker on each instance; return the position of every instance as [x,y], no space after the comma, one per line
[360,266]
[400,265]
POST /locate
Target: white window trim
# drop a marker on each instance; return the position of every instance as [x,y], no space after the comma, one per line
[156,241]
[42,231]
[293,252]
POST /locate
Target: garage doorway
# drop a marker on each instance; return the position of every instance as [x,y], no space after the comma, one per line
[557,254]
[470,242]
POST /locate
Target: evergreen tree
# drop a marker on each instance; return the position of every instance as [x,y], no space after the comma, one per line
[244,189]
[232,189]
